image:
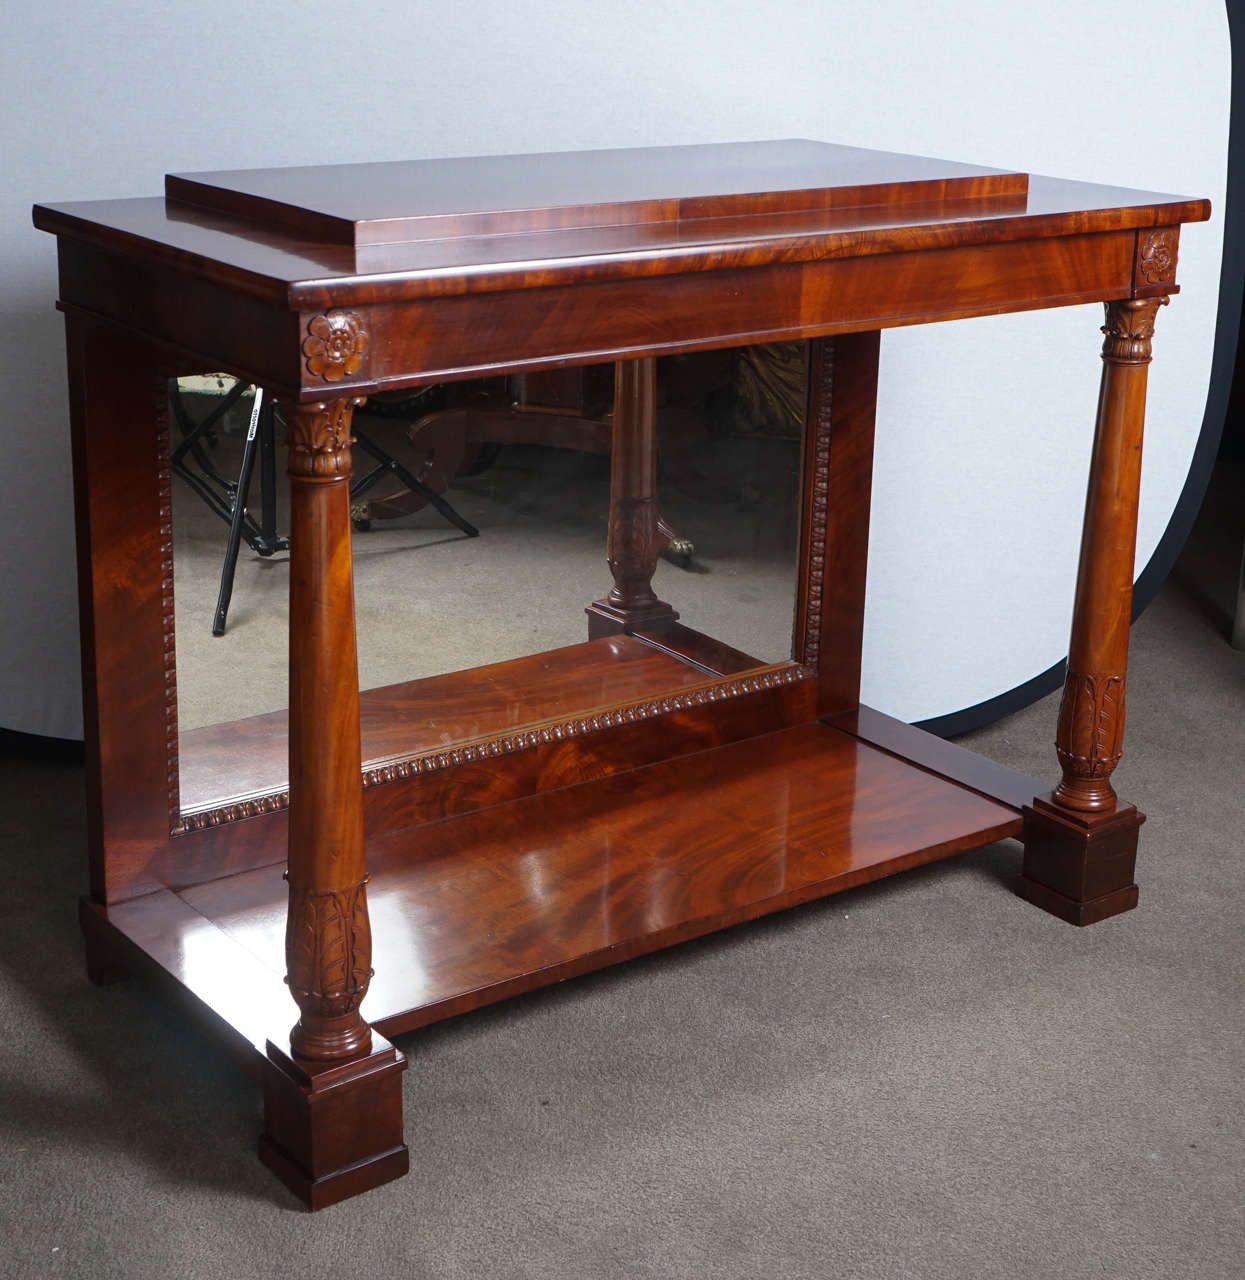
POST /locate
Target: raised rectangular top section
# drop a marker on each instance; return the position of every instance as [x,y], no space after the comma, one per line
[413,200]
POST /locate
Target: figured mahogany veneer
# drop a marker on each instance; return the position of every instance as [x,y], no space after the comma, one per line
[524,823]
[512,897]
[368,204]
[221,762]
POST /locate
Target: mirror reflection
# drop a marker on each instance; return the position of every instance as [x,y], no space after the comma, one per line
[481,515]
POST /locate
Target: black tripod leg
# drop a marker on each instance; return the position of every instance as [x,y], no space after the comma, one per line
[390,463]
[268,477]
[235,522]
[437,501]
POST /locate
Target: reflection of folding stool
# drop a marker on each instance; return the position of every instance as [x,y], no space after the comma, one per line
[228,498]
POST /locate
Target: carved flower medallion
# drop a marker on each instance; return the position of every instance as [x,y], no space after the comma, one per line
[334,345]
[1158,256]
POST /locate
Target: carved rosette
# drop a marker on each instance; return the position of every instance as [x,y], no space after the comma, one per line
[1089,739]
[1157,263]
[1129,329]
[328,956]
[318,438]
[631,551]
[335,345]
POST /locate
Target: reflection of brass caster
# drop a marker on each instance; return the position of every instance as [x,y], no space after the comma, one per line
[361,516]
[679,551]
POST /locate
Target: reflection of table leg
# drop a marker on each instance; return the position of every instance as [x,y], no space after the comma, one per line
[333,1093]
[1080,843]
[632,543]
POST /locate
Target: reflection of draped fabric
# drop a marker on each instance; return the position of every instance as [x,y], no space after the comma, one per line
[770,383]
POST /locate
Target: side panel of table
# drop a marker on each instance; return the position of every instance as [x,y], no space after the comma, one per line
[119,428]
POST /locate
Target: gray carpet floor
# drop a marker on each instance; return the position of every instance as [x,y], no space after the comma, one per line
[924,1078]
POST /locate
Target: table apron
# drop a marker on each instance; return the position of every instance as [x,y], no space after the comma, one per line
[456,337]
[201,325]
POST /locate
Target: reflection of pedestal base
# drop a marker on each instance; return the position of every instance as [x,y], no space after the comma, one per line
[605,619]
[1080,870]
[332,1130]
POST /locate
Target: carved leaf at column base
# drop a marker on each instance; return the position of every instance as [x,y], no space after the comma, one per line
[329,954]
[631,551]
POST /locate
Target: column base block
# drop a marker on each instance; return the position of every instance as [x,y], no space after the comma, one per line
[103,965]
[605,619]
[1079,867]
[334,1129]
[331,1188]
[1078,913]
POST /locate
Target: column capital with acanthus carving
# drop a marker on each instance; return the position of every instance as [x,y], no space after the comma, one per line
[1129,329]
[318,438]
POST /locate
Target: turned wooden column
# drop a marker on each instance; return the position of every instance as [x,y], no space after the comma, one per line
[632,544]
[328,945]
[1090,736]
[1080,843]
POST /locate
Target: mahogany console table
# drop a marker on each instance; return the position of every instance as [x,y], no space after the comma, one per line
[661,784]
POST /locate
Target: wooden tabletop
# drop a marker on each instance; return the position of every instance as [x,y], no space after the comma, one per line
[447,227]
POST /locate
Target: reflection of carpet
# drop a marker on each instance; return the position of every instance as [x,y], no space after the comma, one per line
[429,600]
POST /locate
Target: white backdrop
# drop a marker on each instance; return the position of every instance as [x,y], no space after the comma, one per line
[977,511]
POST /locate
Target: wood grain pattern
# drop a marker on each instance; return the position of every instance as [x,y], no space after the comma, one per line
[121,503]
[838,465]
[513,897]
[290,270]
[328,947]
[1080,843]
[420,200]
[1091,721]
[445,784]
[555,848]
[398,722]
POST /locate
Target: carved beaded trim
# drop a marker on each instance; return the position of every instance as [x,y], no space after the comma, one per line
[811,648]
[335,345]
[527,740]
[1158,256]
[168,621]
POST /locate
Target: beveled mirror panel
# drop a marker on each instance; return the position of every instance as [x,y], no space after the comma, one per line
[482,515]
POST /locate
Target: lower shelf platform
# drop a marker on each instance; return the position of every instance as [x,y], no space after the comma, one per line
[484,906]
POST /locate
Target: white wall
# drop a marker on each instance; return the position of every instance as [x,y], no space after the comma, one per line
[977,513]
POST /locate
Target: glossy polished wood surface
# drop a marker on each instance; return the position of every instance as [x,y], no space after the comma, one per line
[328,949]
[1080,843]
[401,721]
[301,271]
[359,204]
[300,316]
[499,901]
[1091,721]
[550,851]
[125,595]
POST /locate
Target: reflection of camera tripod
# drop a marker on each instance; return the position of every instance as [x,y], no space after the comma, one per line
[228,498]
